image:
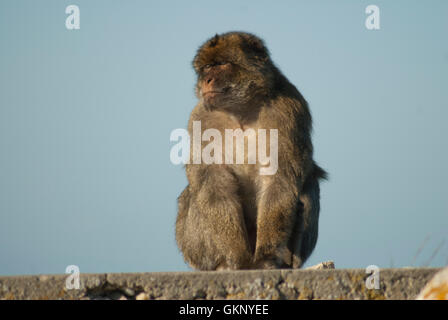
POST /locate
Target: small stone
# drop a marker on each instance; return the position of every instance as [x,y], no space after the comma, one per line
[322,266]
[142,296]
[129,292]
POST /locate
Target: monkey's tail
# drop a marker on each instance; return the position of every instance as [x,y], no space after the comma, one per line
[319,173]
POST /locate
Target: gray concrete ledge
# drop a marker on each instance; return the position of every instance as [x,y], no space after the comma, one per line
[404,283]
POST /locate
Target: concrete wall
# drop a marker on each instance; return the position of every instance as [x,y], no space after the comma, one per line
[402,283]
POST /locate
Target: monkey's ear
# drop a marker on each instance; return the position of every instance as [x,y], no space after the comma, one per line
[256,45]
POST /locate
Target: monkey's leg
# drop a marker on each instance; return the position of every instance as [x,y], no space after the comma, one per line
[304,235]
[211,232]
[277,205]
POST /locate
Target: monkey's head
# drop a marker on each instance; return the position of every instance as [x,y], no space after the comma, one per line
[234,70]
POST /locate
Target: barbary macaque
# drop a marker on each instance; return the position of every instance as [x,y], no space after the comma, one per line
[235,215]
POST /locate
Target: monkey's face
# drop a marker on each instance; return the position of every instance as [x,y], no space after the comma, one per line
[215,84]
[234,70]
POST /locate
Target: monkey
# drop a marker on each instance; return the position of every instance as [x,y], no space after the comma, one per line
[231,217]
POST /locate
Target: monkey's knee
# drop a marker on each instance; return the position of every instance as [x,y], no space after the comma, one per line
[212,237]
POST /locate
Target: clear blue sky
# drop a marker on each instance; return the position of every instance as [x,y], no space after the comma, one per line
[86,116]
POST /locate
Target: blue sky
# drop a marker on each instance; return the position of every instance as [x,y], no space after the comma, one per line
[86,116]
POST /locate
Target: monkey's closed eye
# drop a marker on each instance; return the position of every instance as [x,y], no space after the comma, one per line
[207,66]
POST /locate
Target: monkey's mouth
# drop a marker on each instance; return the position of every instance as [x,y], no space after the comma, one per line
[214,93]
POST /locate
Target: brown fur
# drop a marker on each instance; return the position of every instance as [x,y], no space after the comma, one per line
[230,216]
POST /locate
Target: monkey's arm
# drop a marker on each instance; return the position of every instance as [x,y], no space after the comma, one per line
[276,207]
[278,199]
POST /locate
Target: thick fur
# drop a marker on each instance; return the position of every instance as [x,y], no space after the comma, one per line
[230,216]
